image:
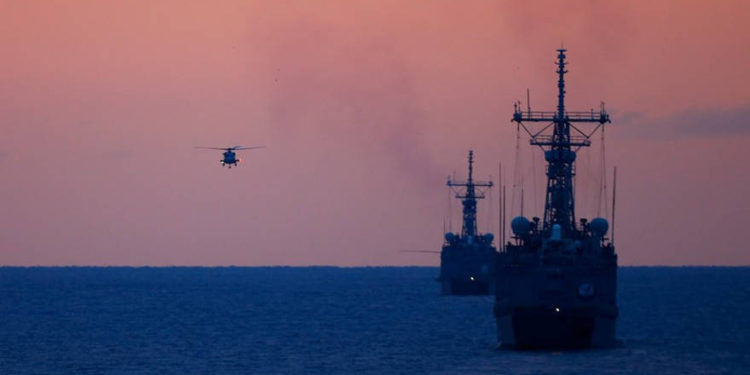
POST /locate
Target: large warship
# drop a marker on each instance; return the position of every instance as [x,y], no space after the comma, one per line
[556,279]
[467,260]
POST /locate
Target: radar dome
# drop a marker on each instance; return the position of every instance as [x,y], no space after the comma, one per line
[556,234]
[599,227]
[488,237]
[520,226]
[450,237]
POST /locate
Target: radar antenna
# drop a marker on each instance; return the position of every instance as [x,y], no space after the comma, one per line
[560,150]
[469,198]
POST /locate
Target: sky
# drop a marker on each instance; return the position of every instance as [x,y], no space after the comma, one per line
[364,109]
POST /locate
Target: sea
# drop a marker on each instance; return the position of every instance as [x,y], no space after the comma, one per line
[328,320]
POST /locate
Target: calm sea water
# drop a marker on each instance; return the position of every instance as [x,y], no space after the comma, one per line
[343,321]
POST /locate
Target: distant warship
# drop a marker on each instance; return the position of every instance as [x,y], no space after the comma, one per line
[556,280]
[467,261]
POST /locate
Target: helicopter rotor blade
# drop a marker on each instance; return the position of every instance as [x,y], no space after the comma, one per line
[247,148]
[213,148]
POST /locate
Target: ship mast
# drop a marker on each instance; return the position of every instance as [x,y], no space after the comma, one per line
[560,150]
[469,199]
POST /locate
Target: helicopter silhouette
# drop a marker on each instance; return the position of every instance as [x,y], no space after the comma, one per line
[229,157]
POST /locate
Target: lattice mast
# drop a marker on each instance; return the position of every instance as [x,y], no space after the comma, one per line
[469,199]
[560,151]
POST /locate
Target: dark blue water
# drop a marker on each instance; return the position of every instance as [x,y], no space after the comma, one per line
[344,321]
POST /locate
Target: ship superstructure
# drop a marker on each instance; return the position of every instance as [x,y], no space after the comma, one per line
[467,260]
[556,280]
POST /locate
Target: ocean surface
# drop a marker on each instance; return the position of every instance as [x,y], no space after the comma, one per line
[325,320]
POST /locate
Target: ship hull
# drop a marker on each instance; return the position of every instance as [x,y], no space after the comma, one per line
[546,328]
[467,270]
[467,287]
[555,303]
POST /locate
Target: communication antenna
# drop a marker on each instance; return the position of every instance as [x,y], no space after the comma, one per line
[604,178]
[450,209]
[489,209]
[528,102]
[603,199]
[500,205]
[533,179]
[517,174]
[614,192]
[504,216]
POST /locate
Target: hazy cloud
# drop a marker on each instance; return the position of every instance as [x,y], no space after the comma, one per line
[360,92]
[117,154]
[700,123]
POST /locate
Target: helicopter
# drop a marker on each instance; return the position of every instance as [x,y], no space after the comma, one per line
[229,157]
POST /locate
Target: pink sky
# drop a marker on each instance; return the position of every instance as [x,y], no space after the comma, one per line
[365,108]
